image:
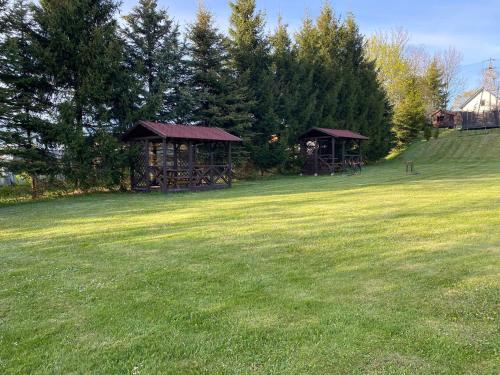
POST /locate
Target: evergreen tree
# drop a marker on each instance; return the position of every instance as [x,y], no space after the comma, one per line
[409,116]
[285,69]
[328,77]
[363,105]
[376,116]
[3,12]
[352,106]
[250,55]
[218,101]
[3,27]
[306,50]
[82,53]
[435,87]
[26,135]
[155,57]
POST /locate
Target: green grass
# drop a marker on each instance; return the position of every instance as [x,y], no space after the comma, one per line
[375,273]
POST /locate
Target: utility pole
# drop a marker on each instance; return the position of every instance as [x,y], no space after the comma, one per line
[490,77]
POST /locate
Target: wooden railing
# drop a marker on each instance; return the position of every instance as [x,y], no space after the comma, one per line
[200,175]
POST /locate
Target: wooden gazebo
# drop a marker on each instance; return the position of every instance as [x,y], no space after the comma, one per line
[329,151]
[173,157]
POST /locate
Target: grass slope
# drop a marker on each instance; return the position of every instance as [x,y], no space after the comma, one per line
[375,273]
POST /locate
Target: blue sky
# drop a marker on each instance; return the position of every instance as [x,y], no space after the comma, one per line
[470,26]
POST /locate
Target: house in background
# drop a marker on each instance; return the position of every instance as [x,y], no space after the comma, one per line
[481,101]
[480,111]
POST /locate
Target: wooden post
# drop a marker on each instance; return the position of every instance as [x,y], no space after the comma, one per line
[343,154]
[211,173]
[316,148]
[190,164]
[360,154]
[176,164]
[230,165]
[333,155]
[164,162]
[146,166]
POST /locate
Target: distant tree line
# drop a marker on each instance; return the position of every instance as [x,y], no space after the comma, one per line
[73,78]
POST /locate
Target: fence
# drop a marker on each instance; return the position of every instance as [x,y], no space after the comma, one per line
[480,120]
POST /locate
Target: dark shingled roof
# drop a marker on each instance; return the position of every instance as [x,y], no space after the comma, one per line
[337,133]
[183,132]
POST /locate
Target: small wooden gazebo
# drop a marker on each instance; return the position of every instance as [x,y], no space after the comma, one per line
[174,157]
[329,151]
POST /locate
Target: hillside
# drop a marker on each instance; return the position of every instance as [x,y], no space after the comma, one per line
[455,146]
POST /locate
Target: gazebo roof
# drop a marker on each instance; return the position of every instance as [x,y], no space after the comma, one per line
[336,133]
[163,130]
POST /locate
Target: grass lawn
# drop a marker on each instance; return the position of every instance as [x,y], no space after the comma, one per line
[375,273]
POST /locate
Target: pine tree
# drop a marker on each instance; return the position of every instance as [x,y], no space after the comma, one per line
[217,100]
[26,135]
[82,53]
[155,56]
[250,55]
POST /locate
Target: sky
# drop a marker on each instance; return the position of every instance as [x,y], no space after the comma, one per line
[471,26]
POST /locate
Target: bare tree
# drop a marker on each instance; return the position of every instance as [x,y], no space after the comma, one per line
[419,59]
[454,83]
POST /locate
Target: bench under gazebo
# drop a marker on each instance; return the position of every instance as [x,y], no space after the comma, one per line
[330,151]
[171,157]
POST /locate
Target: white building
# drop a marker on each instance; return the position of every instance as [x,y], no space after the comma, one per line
[482,101]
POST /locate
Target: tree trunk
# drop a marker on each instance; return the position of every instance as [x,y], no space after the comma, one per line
[34,186]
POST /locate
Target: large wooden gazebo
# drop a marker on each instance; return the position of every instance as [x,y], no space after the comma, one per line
[173,157]
[329,151]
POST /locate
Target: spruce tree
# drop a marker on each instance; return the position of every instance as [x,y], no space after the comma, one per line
[306,50]
[26,135]
[285,69]
[363,104]
[352,106]
[217,99]
[82,53]
[287,104]
[409,115]
[328,77]
[3,11]
[250,57]
[434,87]
[376,114]
[155,57]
